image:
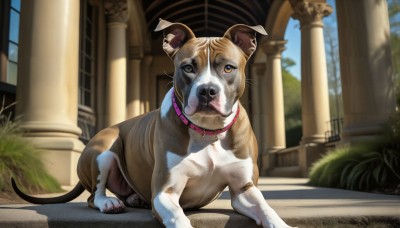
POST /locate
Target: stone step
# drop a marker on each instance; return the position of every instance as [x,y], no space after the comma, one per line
[298,204]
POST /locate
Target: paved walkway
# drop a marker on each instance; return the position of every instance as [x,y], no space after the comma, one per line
[298,204]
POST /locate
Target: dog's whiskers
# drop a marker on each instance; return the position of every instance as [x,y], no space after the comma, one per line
[249,82]
[170,76]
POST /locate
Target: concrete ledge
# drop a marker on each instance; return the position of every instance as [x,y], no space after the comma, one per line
[298,204]
[79,215]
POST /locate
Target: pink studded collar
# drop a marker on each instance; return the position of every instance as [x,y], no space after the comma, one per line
[196,128]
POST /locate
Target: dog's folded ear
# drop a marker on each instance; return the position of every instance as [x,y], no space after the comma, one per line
[175,36]
[244,37]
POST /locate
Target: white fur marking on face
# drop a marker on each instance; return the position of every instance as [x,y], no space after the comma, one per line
[166,104]
[205,78]
[208,70]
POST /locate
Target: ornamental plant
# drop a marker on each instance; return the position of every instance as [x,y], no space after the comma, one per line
[371,166]
[21,160]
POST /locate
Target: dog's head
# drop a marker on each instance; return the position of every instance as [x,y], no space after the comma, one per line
[209,72]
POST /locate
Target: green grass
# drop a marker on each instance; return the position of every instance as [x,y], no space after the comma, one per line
[371,166]
[21,160]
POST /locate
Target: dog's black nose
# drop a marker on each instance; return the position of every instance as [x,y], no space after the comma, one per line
[207,93]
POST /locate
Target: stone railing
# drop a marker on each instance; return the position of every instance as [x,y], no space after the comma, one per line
[335,125]
[287,157]
[296,161]
[285,163]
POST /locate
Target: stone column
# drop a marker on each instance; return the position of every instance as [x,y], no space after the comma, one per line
[145,92]
[257,72]
[47,90]
[366,67]
[314,83]
[133,90]
[273,95]
[117,17]
[272,108]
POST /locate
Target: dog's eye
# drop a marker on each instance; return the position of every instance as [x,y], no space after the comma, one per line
[188,69]
[229,69]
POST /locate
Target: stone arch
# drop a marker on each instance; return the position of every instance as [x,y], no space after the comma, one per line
[136,25]
[276,23]
[138,47]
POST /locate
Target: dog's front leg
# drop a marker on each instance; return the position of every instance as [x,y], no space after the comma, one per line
[249,201]
[166,205]
[166,200]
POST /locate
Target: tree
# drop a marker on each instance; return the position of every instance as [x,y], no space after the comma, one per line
[292,103]
[287,63]
[333,65]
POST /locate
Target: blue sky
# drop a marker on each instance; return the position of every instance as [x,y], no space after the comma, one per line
[293,48]
[292,35]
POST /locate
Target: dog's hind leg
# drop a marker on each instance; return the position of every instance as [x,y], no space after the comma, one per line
[106,162]
[135,201]
[117,184]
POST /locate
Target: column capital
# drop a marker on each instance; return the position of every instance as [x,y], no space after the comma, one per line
[273,47]
[116,11]
[308,12]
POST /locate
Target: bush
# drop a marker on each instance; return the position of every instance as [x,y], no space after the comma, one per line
[21,160]
[372,166]
[293,136]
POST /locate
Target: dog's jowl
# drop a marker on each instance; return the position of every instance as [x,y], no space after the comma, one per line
[186,153]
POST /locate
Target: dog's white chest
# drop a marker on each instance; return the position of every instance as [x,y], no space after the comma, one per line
[204,171]
[202,159]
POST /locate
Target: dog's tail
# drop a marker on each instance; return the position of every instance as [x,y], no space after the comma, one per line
[78,189]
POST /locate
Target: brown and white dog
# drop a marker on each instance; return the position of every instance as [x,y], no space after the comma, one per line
[184,154]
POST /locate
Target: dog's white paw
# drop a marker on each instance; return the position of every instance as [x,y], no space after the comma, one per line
[109,205]
[272,220]
[182,222]
[275,224]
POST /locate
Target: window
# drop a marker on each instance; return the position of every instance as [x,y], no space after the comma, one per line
[9,34]
[87,66]
[10,15]
[87,57]
[12,66]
